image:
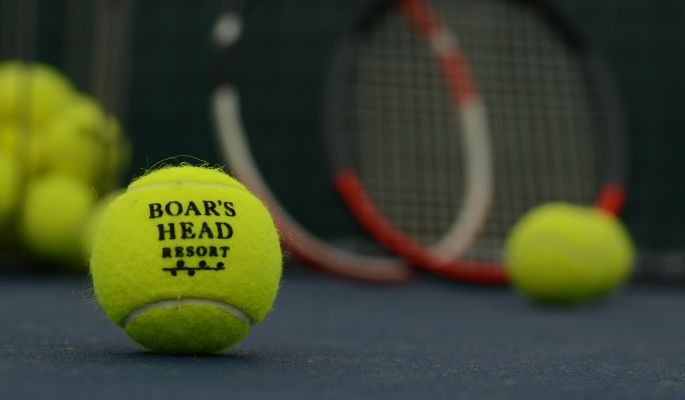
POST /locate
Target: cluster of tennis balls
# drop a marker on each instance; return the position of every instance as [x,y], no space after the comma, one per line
[59,152]
[186,259]
[564,254]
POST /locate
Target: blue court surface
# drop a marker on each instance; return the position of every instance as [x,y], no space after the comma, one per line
[329,338]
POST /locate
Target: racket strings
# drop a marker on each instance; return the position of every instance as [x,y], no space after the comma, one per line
[403,120]
[542,114]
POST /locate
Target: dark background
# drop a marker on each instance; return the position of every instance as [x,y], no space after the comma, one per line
[171,72]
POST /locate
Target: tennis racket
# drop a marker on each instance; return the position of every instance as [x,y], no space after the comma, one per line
[449,119]
[252,118]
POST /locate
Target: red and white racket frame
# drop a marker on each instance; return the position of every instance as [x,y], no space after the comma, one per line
[442,258]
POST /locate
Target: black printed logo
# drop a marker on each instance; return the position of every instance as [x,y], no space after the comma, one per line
[185,238]
[202,266]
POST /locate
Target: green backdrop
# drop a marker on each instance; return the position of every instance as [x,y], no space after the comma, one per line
[171,76]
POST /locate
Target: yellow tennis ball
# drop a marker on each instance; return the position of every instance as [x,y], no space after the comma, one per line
[10,181]
[186,260]
[10,138]
[77,140]
[620,254]
[21,143]
[55,211]
[32,93]
[566,254]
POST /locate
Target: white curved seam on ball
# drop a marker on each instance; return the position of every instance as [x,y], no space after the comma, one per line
[183,183]
[177,303]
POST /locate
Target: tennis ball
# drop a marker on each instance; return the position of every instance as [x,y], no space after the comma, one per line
[10,181]
[186,260]
[78,140]
[566,254]
[55,210]
[10,137]
[20,143]
[32,93]
[620,254]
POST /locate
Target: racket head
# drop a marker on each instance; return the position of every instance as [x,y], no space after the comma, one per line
[239,109]
[554,126]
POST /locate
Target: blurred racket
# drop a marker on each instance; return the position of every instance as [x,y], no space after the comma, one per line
[414,158]
[359,258]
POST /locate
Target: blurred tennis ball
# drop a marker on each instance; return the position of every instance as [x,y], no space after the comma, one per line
[566,254]
[20,143]
[32,93]
[620,254]
[9,138]
[54,214]
[10,181]
[84,142]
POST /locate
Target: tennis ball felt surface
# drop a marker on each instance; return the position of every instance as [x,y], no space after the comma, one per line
[620,254]
[32,93]
[79,141]
[55,211]
[566,254]
[19,142]
[186,260]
